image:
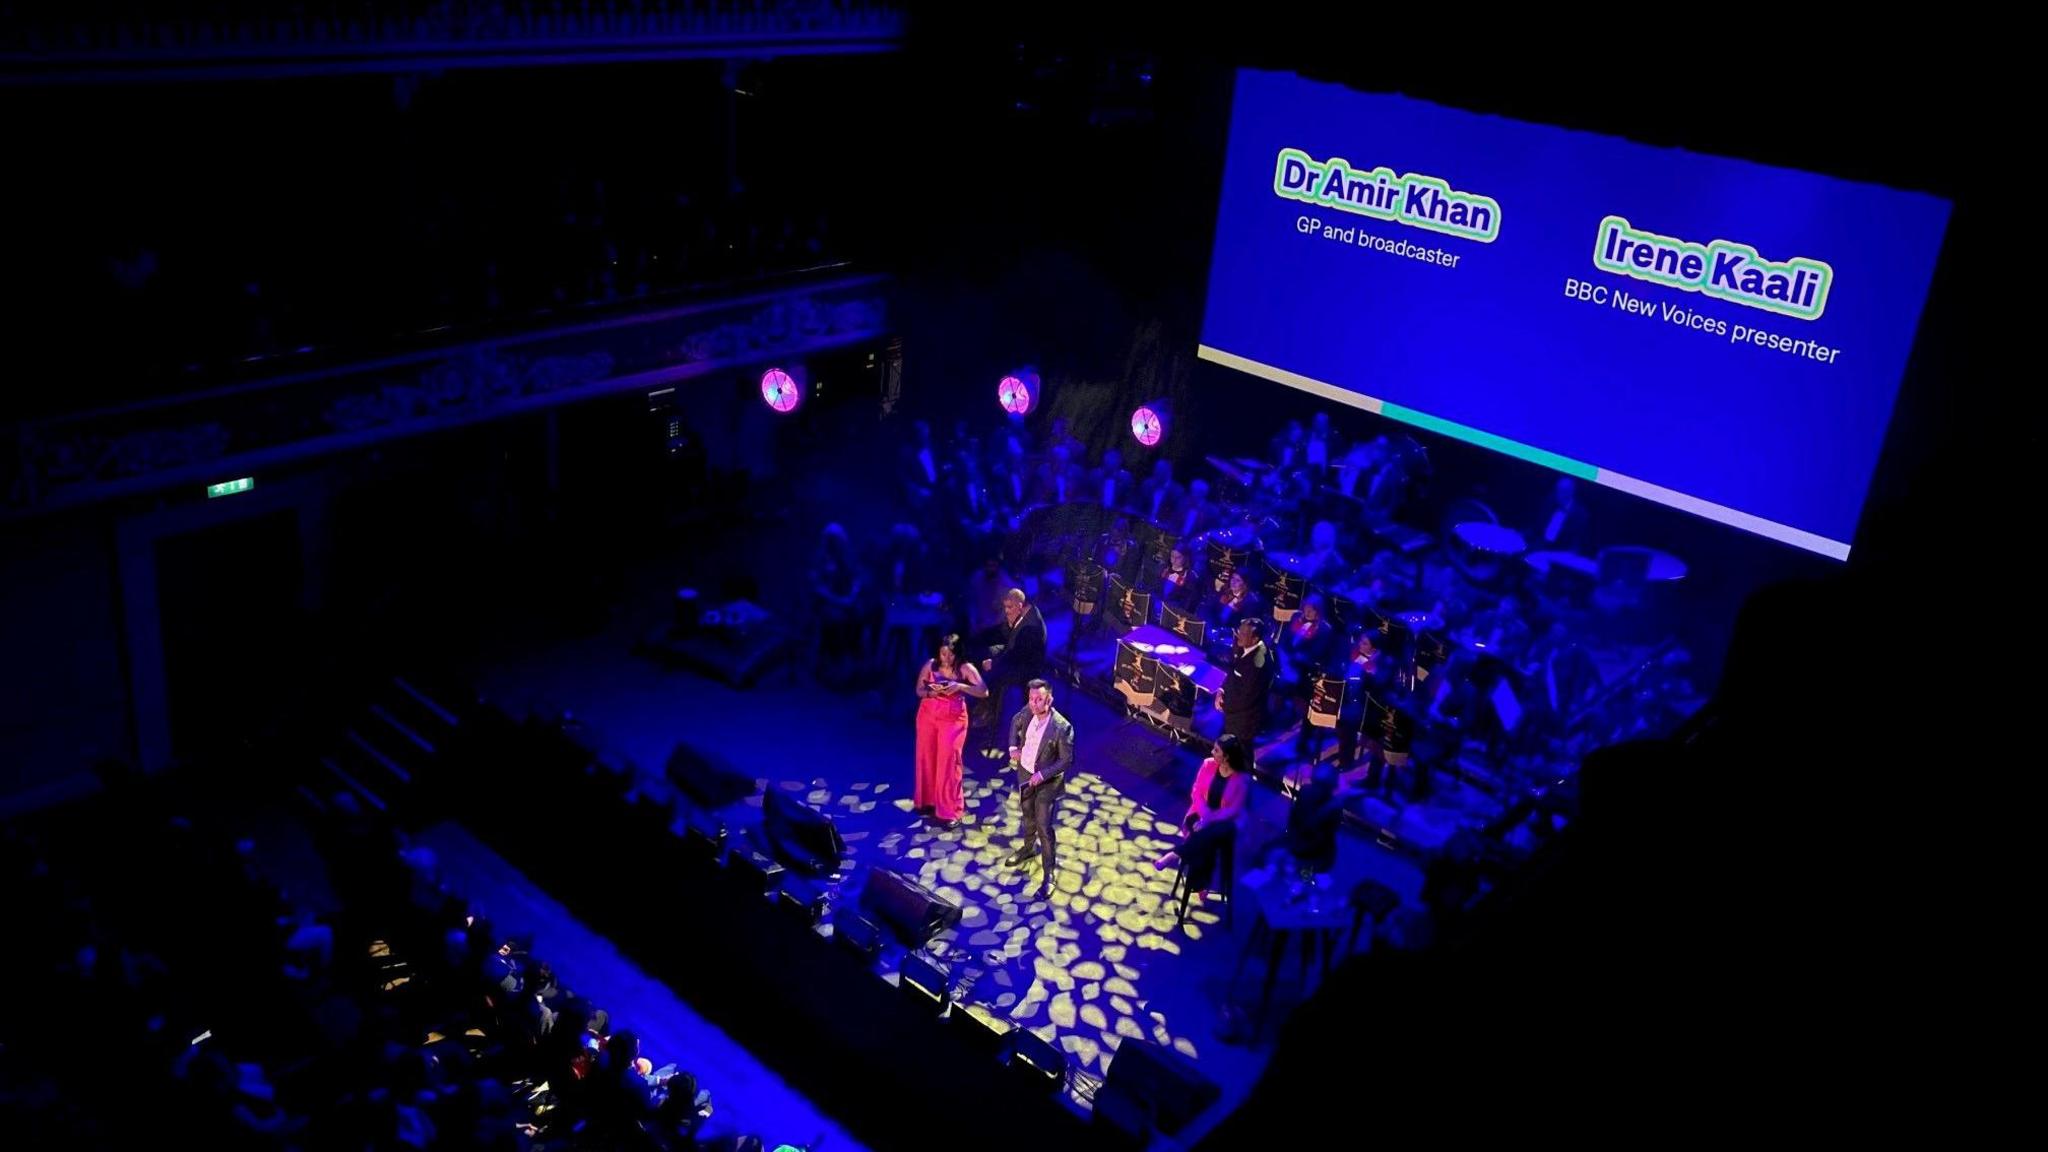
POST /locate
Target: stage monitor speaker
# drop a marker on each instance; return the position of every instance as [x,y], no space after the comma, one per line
[1037,1063]
[753,871]
[1164,1079]
[910,910]
[1117,1109]
[983,1030]
[924,983]
[800,835]
[708,783]
[705,843]
[857,934]
[802,904]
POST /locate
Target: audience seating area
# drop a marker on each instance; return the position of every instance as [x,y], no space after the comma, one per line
[287,972]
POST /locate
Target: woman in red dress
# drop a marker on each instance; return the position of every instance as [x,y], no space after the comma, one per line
[943,684]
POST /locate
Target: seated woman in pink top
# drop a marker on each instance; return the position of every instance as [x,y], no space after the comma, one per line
[1215,809]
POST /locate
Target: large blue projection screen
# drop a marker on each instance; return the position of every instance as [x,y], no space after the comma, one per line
[1719,336]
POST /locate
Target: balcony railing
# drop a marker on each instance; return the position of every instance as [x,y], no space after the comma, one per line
[99,42]
[70,461]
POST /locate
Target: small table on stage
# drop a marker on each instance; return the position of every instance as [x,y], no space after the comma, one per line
[1287,908]
[1167,648]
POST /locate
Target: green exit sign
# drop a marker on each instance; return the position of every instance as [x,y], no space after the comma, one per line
[216,491]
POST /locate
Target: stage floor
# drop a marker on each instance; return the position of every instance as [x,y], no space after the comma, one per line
[1101,961]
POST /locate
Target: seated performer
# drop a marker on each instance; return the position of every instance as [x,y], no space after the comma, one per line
[1216,808]
[1236,602]
[1177,583]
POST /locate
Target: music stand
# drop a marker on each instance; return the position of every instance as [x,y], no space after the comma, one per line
[1325,708]
[1175,692]
[1186,625]
[1223,559]
[1138,683]
[1285,589]
[1431,651]
[1155,549]
[1394,638]
[1348,614]
[1084,582]
[1392,733]
[1133,606]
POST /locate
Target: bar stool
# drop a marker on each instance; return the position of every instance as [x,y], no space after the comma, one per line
[1183,895]
[1370,900]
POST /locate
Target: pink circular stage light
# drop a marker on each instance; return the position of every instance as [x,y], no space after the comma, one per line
[781,390]
[1148,425]
[1016,393]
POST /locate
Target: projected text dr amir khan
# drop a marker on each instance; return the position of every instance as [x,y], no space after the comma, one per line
[1415,200]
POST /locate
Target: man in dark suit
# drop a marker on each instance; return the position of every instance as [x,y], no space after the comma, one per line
[1242,698]
[1564,526]
[1111,485]
[1041,751]
[1016,650]
[1159,498]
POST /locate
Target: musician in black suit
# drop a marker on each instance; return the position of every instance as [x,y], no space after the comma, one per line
[1564,527]
[1178,584]
[1111,486]
[1242,698]
[1041,751]
[922,467]
[1159,497]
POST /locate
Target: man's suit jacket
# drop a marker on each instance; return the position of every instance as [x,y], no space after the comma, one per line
[1250,679]
[1018,653]
[1055,750]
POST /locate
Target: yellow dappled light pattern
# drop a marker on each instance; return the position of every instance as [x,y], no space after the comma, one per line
[1070,968]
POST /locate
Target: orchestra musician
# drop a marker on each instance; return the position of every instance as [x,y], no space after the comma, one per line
[1177,583]
[1236,602]
[1159,497]
[1323,564]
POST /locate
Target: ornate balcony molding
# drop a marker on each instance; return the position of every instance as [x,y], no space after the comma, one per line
[73,461]
[158,44]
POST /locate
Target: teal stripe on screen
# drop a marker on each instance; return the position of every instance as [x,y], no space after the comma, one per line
[1500,444]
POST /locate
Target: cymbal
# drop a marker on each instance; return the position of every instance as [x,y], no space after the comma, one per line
[1234,536]
[1290,562]
[1234,473]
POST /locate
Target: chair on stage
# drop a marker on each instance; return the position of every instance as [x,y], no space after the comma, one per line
[1182,894]
[1371,903]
